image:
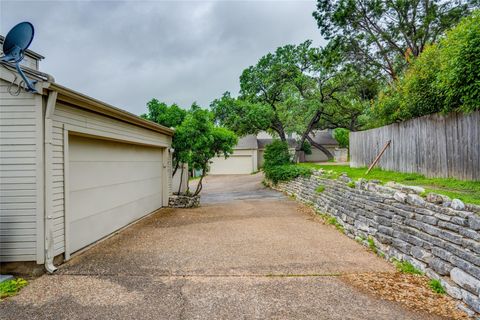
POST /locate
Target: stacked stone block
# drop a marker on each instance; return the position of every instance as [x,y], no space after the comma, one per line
[437,235]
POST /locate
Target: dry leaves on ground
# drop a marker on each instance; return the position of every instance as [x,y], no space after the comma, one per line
[411,290]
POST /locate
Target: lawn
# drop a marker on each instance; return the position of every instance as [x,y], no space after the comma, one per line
[467,191]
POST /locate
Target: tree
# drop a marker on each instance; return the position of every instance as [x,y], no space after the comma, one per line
[295,90]
[241,116]
[170,116]
[387,34]
[444,78]
[201,140]
[161,113]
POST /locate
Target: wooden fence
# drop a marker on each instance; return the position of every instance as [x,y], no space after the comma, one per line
[434,145]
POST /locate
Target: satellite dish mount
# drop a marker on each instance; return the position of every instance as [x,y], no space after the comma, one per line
[18,39]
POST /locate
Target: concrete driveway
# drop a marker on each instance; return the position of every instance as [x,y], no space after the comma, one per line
[247,253]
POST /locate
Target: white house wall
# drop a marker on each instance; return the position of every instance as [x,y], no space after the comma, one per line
[75,119]
[21,184]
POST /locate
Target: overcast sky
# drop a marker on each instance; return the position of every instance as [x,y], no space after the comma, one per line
[126,53]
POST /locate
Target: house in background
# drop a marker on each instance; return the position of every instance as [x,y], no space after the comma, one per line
[248,153]
[73,169]
[244,159]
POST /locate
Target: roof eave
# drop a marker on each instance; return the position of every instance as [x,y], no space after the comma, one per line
[76,98]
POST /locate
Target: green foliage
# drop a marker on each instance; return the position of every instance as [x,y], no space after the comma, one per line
[197,140]
[406,267]
[467,191]
[342,137]
[444,78]
[459,79]
[436,286]
[11,287]
[172,117]
[351,184]
[382,36]
[286,172]
[276,153]
[296,89]
[320,189]
[372,245]
[307,147]
[169,116]
[334,222]
[241,116]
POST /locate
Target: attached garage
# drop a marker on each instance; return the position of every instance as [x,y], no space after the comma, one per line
[111,184]
[73,170]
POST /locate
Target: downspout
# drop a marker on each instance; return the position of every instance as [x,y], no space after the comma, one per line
[48,174]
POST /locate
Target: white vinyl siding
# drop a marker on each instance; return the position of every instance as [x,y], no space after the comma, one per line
[69,118]
[21,200]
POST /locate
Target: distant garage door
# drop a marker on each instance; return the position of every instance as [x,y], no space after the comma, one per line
[235,164]
[111,184]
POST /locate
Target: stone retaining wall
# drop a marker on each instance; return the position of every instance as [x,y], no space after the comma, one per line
[437,239]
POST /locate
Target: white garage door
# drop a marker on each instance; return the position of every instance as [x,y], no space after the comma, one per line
[235,164]
[111,184]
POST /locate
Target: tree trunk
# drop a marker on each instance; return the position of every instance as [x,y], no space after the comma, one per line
[199,185]
[181,179]
[176,168]
[321,148]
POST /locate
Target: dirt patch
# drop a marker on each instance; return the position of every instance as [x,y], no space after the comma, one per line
[410,290]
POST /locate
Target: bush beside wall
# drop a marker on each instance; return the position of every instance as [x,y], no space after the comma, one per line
[442,242]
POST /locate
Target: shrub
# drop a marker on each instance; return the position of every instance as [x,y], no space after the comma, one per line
[307,147]
[459,79]
[11,287]
[444,78]
[342,137]
[286,172]
[276,154]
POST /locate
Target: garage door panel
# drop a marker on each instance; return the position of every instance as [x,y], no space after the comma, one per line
[110,150]
[91,175]
[108,221]
[111,184]
[88,202]
[232,165]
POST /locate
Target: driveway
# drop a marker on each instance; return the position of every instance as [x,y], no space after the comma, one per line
[247,253]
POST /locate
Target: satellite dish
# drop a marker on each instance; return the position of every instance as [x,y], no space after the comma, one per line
[18,39]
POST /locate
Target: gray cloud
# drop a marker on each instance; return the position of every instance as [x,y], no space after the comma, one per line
[125,53]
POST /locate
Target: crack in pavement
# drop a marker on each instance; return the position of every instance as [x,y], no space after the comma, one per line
[280,275]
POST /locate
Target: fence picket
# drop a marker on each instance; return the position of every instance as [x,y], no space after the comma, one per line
[435,145]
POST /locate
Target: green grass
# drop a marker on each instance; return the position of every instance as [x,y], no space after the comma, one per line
[351,184]
[371,245]
[11,287]
[334,222]
[467,191]
[406,267]
[436,286]
[320,189]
